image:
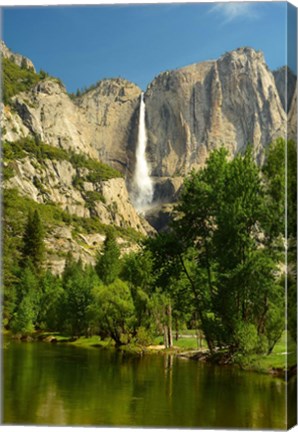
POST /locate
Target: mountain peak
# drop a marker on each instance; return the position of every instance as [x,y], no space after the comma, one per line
[18,59]
[243,55]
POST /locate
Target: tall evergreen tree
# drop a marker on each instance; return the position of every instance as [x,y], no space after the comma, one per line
[108,263]
[33,250]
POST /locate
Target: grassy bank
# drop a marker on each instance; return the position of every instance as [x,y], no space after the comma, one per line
[276,362]
[188,345]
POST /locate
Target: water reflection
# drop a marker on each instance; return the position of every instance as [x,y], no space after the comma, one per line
[60,385]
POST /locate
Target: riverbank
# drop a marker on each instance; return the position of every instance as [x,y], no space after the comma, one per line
[188,347]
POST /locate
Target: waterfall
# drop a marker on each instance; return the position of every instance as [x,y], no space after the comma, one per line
[142,184]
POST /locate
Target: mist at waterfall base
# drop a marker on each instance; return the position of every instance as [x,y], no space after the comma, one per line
[142,194]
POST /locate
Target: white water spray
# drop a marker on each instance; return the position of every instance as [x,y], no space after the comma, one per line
[143,187]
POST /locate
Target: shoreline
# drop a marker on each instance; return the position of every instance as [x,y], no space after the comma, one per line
[200,355]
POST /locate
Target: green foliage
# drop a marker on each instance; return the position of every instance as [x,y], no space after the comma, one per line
[144,337]
[113,309]
[97,171]
[27,302]
[32,147]
[108,263]
[274,176]
[137,269]
[33,250]
[51,299]
[292,307]
[78,284]
[218,268]
[7,171]
[23,320]
[292,188]
[246,337]
[218,253]
[16,79]
[91,197]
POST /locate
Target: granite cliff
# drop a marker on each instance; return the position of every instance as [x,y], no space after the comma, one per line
[229,102]
[232,101]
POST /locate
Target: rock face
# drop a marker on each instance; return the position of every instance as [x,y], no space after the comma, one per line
[53,181]
[232,101]
[111,109]
[292,117]
[229,102]
[48,112]
[18,59]
[285,82]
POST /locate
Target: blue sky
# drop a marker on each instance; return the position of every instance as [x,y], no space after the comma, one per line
[83,44]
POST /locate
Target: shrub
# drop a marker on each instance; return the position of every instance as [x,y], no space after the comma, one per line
[246,337]
[91,197]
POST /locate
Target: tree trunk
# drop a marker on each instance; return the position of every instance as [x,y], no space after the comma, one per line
[166,336]
[176,329]
[170,333]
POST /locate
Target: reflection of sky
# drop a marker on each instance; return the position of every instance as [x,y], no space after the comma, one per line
[84,44]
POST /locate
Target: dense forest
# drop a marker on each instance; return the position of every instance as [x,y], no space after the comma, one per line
[220,266]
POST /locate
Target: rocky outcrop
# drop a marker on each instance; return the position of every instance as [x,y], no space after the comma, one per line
[48,112]
[285,82]
[53,181]
[166,189]
[292,117]
[12,125]
[229,102]
[101,123]
[111,109]
[64,240]
[18,59]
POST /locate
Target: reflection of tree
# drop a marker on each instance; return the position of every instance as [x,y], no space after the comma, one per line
[71,386]
[20,391]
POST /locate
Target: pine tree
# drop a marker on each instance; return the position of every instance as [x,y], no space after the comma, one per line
[108,263]
[33,250]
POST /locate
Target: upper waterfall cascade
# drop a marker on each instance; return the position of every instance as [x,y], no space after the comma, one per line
[143,187]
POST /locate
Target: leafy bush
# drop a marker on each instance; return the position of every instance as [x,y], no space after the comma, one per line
[91,197]
[78,182]
[7,172]
[246,337]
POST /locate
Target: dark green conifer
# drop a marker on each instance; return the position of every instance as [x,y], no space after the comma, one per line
[33,250]
[108,263]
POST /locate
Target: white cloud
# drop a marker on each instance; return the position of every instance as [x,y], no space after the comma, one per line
[231,11]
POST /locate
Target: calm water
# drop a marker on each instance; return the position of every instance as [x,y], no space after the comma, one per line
[62,385]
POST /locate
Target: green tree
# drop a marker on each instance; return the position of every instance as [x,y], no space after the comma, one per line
[33,242]
[218,242]
[113,311]
[280,173]
[137,271]
[23,320]
[51,298]
[27,302]
[78,284]
[108,262]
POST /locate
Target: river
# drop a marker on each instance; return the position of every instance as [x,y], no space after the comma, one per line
[48,384]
